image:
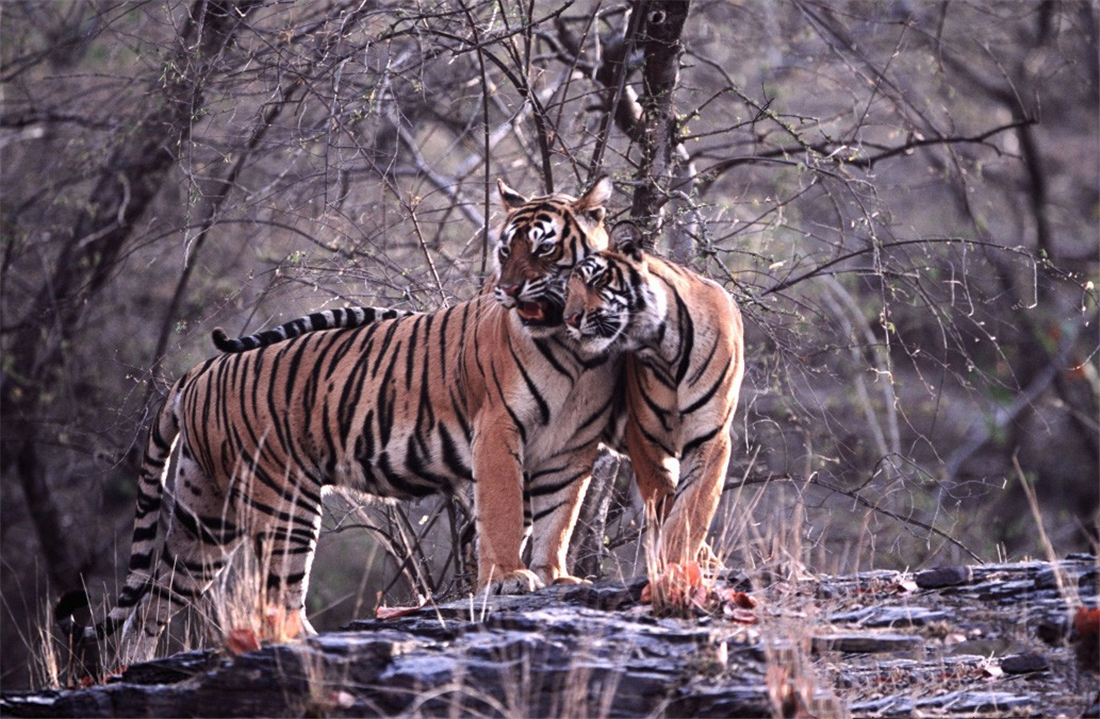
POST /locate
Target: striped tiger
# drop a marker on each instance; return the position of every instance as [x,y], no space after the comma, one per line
[685,344]
[399,407]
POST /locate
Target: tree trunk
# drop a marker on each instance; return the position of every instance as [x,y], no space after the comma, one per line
[127,184]
[665,172]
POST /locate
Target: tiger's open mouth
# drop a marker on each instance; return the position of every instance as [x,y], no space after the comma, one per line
[539,314]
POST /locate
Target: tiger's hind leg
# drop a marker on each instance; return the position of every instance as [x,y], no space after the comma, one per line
[199,543]
[285,541]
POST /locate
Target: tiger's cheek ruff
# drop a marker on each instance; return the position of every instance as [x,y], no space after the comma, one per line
[601,329]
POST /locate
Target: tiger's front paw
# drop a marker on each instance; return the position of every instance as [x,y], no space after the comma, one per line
[518,581]
[556,575]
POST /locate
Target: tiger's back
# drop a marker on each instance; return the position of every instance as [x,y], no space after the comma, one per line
[385,409]
[334,406]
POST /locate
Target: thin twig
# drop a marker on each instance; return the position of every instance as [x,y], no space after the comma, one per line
[814,479]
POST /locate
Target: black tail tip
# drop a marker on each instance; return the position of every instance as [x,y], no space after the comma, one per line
[221,339]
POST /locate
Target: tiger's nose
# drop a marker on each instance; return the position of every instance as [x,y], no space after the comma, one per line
[512,290]
[573,319]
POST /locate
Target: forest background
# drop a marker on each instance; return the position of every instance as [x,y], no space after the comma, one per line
[902,196]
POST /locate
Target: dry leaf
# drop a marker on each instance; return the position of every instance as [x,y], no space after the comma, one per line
[242,641]
[954,638]
[741,616]
[1087,621]
[736,598]
[992,671]
[281,625]
[395,612]
[904,586]
[722,654]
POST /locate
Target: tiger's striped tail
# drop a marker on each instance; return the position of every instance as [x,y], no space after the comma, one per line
[143,549]
[340,318]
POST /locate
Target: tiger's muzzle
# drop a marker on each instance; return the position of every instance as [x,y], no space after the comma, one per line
[541,312]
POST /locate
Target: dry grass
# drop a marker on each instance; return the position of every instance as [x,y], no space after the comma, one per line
[777,614]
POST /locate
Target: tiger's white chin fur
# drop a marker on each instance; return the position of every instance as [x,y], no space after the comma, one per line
[633,335]
[590,346]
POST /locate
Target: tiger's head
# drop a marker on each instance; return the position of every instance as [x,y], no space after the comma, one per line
[540,241]
[612,305]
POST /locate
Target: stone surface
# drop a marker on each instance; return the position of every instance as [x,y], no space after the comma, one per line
[984,641]
[889,616]
[1025,663]
[941,577]
[863,643]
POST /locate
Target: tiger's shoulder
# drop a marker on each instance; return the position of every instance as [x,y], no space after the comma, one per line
[702,293]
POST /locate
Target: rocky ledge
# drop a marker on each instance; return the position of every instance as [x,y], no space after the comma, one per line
[990,640]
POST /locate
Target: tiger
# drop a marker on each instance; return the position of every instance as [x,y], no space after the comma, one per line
[488,391]
[625,314]
[684,339]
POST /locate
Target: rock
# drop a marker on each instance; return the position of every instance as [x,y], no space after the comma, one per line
[943,577]
[540,655]
[606,597]
[975,701]
[1025,663]
[892,706]
[868,643]
[879,648]
[171,670]
[1052,630]
[872,617]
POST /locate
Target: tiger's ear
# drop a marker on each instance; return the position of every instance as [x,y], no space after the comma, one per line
[627,239]
[509,198]
[592,201]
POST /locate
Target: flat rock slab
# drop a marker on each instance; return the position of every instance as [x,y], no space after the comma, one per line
[983,641]
[889,616]
[537,655]
[859,643]
[982,703]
